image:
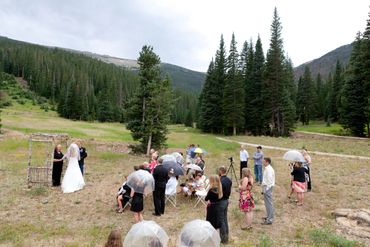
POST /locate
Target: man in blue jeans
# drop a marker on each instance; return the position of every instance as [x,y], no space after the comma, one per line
[223,204]
[258,157]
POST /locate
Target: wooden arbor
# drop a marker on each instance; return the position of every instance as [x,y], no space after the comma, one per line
[37,174]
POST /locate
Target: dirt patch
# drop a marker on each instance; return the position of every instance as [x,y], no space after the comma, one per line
[7,133]
[114,147]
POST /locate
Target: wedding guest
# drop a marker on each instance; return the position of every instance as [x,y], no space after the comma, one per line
[83,155]
[213,198]
[114,239]
[244,156]
[153,161]
[258,157]
[137,205]
[199,161]
[307,165]
[123,197]
[224,204]
[268,184]
[57,165]
[299,182]
[246,202]
[160,175]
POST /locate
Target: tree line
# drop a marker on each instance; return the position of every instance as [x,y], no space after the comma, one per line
[81,87]
[343,97]
[247,92]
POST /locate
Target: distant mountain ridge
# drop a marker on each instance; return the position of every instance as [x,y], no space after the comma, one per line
[181,78]
[326,63]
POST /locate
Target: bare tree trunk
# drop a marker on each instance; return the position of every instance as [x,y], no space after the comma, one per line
[149,144]
[234,130]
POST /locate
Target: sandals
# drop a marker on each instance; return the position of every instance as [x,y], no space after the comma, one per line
[120,210]
[247,228]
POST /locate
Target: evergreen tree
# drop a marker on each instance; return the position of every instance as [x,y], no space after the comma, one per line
[217,90]
[328,87]
[365,48]
[305,104]
[335,93]
[249,87]
[189,119]
[321,93]
[149,110]
[353,98]
[279,112]
[233,100]
[206,101]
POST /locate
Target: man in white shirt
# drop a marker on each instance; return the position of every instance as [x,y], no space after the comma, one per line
[268,183]
[244,156]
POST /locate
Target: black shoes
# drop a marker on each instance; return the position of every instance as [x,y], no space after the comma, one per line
[156,214]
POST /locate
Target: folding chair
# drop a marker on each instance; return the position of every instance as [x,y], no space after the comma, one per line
[171,191]
[127,204]
[201,194]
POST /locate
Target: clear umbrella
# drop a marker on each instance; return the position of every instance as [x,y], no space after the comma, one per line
[168,157]
[198,233]
[146,233]
[178,157]
[175,167]
[193,167]
[294,155]
[141,181]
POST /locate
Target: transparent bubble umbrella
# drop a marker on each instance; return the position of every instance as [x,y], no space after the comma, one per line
[174,167]
[193,167]
[178,157]
[168,157]
[141,181]
[146,233]
[198,233]
[294,155]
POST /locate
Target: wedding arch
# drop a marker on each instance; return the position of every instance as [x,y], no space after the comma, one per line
[40,168]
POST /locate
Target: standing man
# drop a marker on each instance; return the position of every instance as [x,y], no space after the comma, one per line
[83,155]
[268,184]
[160,175]
[258,158]
[244,156]
[223,204]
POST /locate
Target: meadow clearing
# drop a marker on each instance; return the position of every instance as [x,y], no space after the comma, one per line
[43,216]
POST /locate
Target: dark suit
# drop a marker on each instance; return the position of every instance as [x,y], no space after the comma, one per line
[81,162]
[160,175]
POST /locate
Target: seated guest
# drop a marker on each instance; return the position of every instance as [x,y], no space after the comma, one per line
[171,184]
[199,161]
[123,197]
[114,239]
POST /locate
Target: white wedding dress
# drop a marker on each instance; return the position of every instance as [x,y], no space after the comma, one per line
[73,179]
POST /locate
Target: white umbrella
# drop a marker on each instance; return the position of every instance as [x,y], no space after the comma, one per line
[178,157]
[168,157]
[294,155]
[141,181]
[193,167]
[146,233]
[198,233]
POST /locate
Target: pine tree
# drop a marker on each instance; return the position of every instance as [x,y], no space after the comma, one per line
[329,89]
[321,93]
[279,112]
[249,86]
[189,119]
[233,100]
[353,108]
[335,95]
[149,110]
[217,90]
[206,101]
[365,48]
[305,103]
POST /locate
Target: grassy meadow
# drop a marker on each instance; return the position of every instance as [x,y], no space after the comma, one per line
[44,216]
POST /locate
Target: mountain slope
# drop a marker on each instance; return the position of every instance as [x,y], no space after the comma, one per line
[181,77]
[326,63]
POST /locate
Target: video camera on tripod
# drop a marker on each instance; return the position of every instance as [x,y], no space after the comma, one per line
[231,169]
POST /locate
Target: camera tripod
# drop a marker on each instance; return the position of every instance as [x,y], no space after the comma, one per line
[232,172]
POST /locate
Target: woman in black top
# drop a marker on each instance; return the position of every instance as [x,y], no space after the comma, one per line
[57,165]
[299,181]
[213,197]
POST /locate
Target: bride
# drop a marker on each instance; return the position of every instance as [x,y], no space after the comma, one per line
[73,179]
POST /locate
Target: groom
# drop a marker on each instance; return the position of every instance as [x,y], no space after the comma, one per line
[83,155]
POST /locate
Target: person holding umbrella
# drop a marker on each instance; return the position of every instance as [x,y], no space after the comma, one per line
[160,175]
[141,182]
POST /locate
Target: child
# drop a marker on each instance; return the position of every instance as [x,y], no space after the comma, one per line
[246,204]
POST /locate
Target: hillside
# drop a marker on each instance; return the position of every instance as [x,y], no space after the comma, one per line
[326,63]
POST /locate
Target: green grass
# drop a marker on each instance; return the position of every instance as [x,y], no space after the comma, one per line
[324,237]
[321,127]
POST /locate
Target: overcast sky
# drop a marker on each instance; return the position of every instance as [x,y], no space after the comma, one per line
[185,32]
